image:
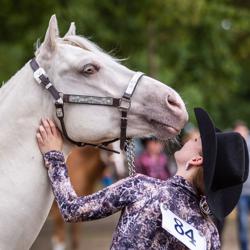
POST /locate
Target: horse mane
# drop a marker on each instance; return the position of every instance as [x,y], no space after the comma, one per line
[86,44]
[83,43]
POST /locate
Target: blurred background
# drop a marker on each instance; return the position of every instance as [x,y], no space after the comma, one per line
[199,47]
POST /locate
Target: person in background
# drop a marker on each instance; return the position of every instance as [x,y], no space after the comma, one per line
[153,161]
[244,202]
[107,178]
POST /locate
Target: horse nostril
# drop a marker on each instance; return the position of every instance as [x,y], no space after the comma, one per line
[173,102]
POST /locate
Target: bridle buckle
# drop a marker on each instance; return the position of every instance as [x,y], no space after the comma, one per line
[59,108]
[125,104]
[38,73]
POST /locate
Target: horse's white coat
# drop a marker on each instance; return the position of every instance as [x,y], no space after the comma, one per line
[25,192]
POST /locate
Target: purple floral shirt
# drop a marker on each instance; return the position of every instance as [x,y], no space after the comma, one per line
[138,198]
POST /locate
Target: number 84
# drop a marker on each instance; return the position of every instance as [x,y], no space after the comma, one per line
[179,228]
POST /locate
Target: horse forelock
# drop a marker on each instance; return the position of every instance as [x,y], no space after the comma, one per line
[86,44]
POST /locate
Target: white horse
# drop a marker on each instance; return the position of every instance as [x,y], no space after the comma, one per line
[74,65]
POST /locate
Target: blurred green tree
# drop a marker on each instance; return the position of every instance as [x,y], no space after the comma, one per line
[201,48]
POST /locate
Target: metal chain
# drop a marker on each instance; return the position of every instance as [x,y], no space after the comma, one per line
[130,153]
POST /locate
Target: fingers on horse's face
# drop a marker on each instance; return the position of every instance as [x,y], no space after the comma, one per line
[39,139]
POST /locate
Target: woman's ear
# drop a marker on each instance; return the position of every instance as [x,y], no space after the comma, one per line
[196,161]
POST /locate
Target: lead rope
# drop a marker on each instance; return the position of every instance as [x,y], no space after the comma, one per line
[130,153]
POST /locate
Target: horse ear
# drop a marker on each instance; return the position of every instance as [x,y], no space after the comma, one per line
[71,31]
[52,34]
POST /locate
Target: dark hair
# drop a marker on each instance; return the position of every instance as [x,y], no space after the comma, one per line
[199,181]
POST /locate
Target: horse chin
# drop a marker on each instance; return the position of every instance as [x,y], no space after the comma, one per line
[164,131]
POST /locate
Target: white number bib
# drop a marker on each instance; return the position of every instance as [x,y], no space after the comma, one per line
[181,230]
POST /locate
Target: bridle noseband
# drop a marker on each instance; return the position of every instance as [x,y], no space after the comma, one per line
[123,104]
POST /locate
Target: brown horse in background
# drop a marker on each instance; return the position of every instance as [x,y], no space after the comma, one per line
[86,166]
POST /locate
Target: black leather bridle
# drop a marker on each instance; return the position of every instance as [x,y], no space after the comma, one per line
[123,104]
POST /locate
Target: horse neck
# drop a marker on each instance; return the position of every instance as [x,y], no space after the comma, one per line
[22,104]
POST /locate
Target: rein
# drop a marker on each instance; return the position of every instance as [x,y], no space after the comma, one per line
[123,104]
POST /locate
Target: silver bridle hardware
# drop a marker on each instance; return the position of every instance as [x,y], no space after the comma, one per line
[132,84]
[125,104]
[38,73]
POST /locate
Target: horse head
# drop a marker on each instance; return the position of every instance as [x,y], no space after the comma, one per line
[75,65]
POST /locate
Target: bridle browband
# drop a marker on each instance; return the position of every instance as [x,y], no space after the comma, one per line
[123,104]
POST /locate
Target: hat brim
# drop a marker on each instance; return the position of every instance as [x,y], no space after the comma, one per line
[209,145]
[224,200]
[221,202]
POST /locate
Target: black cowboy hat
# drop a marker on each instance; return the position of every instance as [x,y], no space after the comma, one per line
[226,165]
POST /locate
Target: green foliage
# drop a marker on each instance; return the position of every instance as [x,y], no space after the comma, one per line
[201,48]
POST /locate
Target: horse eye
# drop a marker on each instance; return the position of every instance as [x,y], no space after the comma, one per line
[90,69]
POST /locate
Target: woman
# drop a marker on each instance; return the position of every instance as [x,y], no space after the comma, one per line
[157,214]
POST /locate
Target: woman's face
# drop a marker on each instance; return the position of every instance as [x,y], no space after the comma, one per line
[192,148]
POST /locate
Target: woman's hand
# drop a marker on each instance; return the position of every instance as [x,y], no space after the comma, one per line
[49,137]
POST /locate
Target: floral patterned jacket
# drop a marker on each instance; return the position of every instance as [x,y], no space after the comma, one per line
[138,198]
